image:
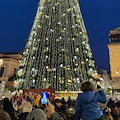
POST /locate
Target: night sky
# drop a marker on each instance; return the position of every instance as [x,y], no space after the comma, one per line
[100,16]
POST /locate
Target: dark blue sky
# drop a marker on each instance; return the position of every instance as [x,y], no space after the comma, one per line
[100,16]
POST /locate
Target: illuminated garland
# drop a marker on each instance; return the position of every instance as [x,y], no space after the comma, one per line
[57,53]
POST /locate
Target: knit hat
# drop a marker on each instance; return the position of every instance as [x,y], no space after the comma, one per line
[37,114]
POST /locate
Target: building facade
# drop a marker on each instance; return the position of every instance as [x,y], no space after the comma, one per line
[8,68]
[114,53]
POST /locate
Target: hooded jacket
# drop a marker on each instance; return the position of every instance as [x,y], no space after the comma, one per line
[87,106]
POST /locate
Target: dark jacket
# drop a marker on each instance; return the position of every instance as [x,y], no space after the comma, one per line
[59,109]
[8,107]
[56,116]
[114,114]
[87,106]
[23,116]
[111,105]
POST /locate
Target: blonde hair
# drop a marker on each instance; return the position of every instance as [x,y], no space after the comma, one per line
[26,107]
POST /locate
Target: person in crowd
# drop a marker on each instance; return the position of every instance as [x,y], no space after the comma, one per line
[4,115]
[30,97]
[43,107]
[63,101]
[66,105]
[64,116]
[69,101]
[107,114]
[16,108]
[39,114]
[111,103]
[87,103]
[71,111]
[25,109]
[114,110]
[1,104]
[58,105]
[8,107]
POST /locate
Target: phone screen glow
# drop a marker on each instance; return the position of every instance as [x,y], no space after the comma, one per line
[43,97]
[101,112]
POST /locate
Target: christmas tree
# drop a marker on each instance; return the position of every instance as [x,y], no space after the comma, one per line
[57,53]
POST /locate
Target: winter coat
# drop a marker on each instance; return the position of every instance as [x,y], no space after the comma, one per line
[23,116]
[56,116]
[87,106]
[8,107]
[59,109]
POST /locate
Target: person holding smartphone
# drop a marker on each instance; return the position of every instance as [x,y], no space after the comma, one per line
[39,114]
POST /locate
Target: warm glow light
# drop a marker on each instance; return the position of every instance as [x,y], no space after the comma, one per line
[114,50]
[1,61]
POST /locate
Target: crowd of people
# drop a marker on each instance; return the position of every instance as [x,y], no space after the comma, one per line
[85,107]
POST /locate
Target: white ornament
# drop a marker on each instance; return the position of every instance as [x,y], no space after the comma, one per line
[61,65]
[33,48]
[41,7]
[83,42]
[59,23]
[63,14]
[51,30]
[46,56]
[75,57]
[54,69]
[80,32]
[60,37]
[33,69]
[44,79]
[83,30]
[33,80]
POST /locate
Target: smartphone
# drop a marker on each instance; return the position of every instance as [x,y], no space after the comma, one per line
[101,112]
[14,105]
[43,97]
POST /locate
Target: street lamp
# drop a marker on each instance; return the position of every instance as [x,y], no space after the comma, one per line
[1,62]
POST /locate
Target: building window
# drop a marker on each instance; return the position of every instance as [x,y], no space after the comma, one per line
[1,71]
[115,40]
[15,71]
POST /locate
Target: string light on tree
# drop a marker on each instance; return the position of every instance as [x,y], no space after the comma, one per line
[57,50]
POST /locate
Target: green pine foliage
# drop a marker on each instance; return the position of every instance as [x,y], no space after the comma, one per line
[57,53]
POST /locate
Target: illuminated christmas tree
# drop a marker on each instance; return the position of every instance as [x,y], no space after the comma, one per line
[57,53]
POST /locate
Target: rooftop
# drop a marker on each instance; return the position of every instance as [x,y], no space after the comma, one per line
[115,33]
[9,53]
